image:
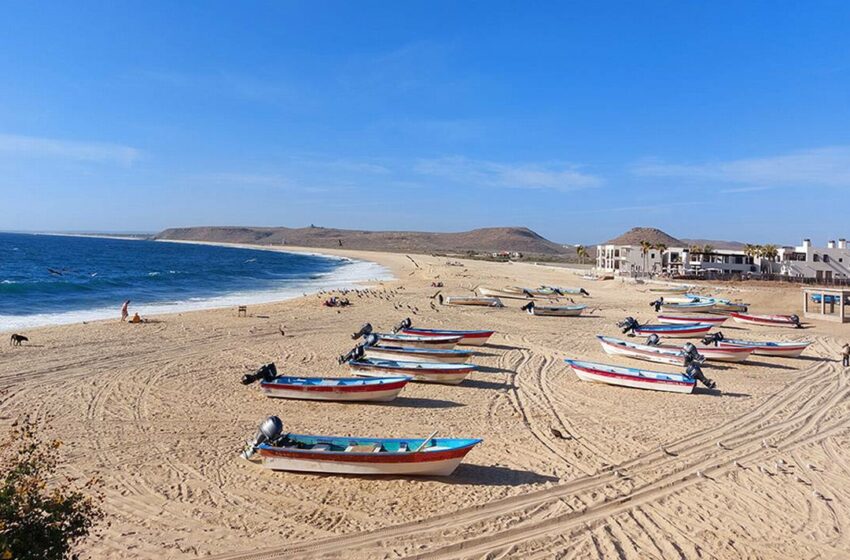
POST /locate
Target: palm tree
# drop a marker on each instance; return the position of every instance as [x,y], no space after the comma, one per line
[661,247]
[770,252]
[582,253]
[706,252]
[645,247]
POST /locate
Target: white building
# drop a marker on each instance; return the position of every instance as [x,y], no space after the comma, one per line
[630,259]
[627,259]
[824,264]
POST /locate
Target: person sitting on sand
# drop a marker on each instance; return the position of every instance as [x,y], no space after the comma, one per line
[136,318]
[124,311]
[846,349]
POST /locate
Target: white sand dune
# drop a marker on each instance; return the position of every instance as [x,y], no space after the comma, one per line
[157,411]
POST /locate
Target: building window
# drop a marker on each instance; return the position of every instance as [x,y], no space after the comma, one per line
[815,257]
[826,258]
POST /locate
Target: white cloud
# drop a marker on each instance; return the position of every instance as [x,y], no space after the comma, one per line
[32,146]
[562,177]
[826,167]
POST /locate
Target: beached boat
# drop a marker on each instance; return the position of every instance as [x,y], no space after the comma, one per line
[632,377]
[467,337]
[452,356]
[768,320]
[784,349]
[617,347]
[325,388]
[629,324]
[715,353]
[356,455]
[335,388]
[726,306]
[479,301]
[692,306]
[406,340]
[685,319]
[554,310]
[431,372]
[669,289]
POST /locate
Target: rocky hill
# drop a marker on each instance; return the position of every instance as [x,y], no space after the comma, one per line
[485,240]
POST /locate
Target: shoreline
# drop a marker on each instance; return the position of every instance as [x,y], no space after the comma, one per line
[373,271]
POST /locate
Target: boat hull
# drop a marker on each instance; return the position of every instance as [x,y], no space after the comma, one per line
[418,371]
[366,392]
[694,331]
[426,354]
[615,347]
[689,307]
[618,376]
[474,301]
[467,338]
[766,320]
[424,463]
[416,341]
[684,319]
[555,311]
[785,351]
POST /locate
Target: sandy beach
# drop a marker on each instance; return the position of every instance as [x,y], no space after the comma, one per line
[760,469]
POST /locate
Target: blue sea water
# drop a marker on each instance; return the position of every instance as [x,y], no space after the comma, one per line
[50,279]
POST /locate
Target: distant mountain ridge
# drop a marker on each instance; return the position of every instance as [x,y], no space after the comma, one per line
[655,236]
[484,240]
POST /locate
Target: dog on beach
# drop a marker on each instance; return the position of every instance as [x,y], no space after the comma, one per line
[17,339]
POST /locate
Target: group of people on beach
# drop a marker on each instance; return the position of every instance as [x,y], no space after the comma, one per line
[125,312]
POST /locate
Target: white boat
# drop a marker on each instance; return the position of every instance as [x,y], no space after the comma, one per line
[356,455]
[687,319]
[554,310]
[632,377]
[455,356]
[783,349]
[334,388]
[477,337]
[791,321]
[617,347]
[471,300]
[717,354]
[415,341]
[669,289]
[693,307]
[430,372]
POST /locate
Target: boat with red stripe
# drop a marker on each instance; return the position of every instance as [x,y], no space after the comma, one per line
[632,377]
[429,372]
[687,330]
[769,320]
[467,337]
[686,319]
[783,349]
[430,456]
[325,388]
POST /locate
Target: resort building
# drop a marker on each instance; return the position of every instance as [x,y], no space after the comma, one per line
[823,264]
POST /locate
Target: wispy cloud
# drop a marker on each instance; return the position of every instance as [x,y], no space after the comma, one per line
[32,146]
[562,177]
[826,167]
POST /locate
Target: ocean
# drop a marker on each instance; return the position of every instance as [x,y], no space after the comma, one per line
[53,279]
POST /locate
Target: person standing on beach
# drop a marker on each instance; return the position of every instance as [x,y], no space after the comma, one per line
[124,312]
[846,349]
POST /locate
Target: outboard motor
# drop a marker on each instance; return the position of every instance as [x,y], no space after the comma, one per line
[584,292]
[714,338]
[657,304]
[405,324]
[269,431]
[695,372]
[266,372]
[692,355]
[364,330]
[628,324]
[440,298]
[796,321]
[653,340]
[528,307]
[355,353]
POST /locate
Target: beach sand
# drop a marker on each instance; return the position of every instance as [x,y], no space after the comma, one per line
[157,411]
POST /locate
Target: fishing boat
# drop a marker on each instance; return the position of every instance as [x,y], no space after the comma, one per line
[467,337]
[616,347]
[335,388]
[784,349]
[325,388]
[356,455]
[405,340]
[554,310]
[479,301]
[633,377]
[716,353]
[692,306]
[453,356]
[685,319]
[430,372]
[671,331]
[669,289]
[769,320]
[726,306]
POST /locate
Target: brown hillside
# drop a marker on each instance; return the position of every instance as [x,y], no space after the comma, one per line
[653,235]
[483,240]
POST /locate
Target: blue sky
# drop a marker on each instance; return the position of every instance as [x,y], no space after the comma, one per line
[723,120]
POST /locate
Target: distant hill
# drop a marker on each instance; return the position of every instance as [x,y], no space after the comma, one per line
[653,235]
[485,240]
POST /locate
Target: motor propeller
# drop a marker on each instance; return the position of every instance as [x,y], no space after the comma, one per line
[364,330]
[694,371]
[270,430]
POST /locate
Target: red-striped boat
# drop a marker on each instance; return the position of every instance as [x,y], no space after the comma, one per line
[335,388]
[633,377]
[686,319]
[437,372]
[784,349]
[467,338]
[770,320]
